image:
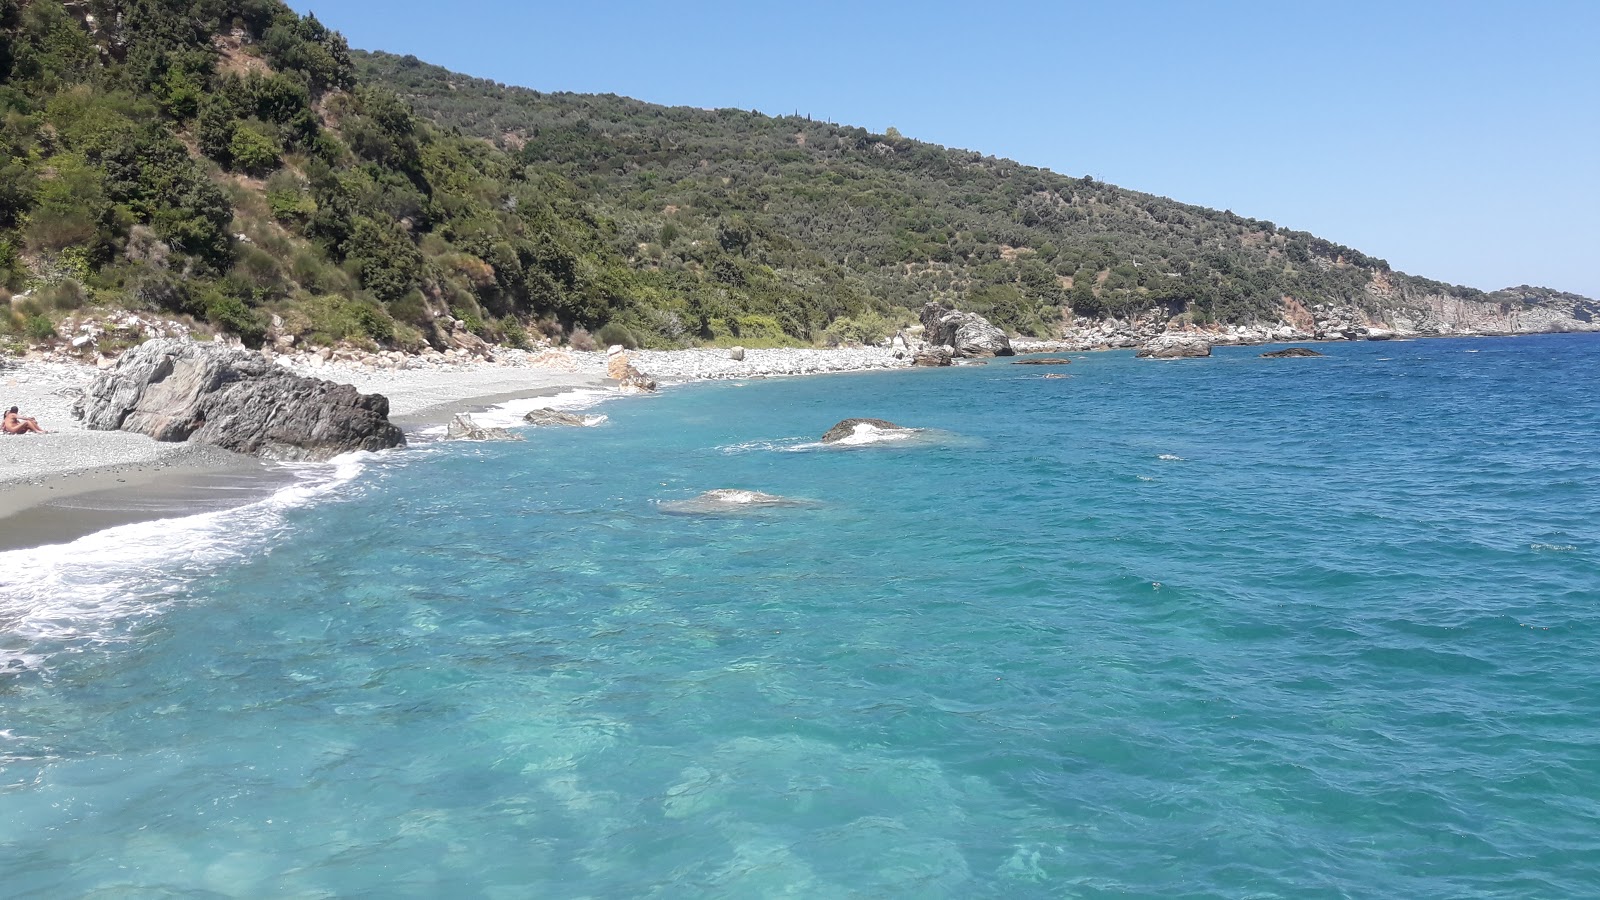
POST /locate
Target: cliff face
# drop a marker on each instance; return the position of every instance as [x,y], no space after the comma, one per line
[1518,310]
[1385,312]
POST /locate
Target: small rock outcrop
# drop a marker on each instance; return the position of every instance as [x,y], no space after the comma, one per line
[850,427]
[1046,361]
[968,333]
[553,417]
[462,428]
[178,390]
[1175,346]
[1290,353]
[932,356]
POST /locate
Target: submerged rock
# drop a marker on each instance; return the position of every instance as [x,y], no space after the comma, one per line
[462,428]
[850,428]
[178,390]
[1290,353]
[553,417]
[1174,346]
[968,333]
[1046,361]
[730,500]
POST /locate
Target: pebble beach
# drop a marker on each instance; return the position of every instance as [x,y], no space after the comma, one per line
[73,480]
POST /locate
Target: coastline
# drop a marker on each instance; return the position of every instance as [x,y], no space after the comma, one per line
[73,482]
[57,487]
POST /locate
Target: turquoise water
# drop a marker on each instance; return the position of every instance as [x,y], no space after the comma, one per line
[1227,627]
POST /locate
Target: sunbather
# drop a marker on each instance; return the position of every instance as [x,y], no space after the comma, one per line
[16,424]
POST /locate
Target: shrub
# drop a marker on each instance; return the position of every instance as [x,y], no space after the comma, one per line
[755,327]
[374,322]
[229,313]
[512,333]
[867,328]
[65,296]
[253,149]
[40,328]
[617,333]
[581,339]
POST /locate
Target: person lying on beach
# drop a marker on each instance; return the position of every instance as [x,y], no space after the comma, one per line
[16,424]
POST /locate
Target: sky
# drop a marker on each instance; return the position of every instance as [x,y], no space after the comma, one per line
[1460,141]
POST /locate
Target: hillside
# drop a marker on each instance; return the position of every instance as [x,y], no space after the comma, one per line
[907,221]
[233,164]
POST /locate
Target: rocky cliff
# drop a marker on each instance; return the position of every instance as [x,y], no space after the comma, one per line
[1384,311]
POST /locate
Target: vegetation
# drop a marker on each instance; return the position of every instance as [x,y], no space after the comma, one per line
[235,162]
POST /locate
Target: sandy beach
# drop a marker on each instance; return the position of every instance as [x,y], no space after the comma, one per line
[73,481]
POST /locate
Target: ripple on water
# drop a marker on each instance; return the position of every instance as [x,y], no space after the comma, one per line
[1346,648]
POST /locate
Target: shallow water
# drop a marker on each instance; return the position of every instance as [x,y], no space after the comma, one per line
[1225,627]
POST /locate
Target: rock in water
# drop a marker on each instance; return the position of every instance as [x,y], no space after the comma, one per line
[969,333]
[553,417]
[1047,361]
[1290,353]
[462,428]
[1174,346]
[932,356]
[731,500]
[851,427]
[228,397]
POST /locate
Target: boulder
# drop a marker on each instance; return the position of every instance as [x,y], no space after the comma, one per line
[736,354]
[849,427]
[1174,346]
[177,390]
[630,379]
[968,333]
[462,428]
[1290,353]
[553,417]
[932,356]
[1047,361]
[1379,334]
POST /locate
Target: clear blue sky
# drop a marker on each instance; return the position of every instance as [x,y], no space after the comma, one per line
[1457,140]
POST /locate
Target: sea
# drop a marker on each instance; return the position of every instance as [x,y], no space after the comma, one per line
[1226,627]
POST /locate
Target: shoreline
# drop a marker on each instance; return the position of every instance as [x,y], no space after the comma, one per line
[58,487]
[73,482]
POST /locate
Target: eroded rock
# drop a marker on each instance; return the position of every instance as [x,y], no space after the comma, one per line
[1290,353]
[178,390]
[1175,346]
[969,334]
[462,428]
[850,428]
[553,417]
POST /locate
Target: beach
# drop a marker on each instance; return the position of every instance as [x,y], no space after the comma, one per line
[73,481]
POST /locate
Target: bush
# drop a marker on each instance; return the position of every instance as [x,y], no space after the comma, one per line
[253,150]
[64,296]
[512,333]
[617,333]
[229,313]
[40,328]
[581,339]
[868,328]
[754,327]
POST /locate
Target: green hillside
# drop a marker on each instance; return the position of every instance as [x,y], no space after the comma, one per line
[897,219]
[234,162]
